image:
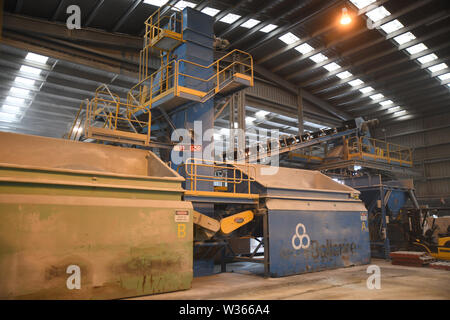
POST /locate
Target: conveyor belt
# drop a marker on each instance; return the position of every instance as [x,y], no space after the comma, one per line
[276,147]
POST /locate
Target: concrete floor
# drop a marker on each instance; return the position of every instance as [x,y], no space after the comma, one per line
[243,281]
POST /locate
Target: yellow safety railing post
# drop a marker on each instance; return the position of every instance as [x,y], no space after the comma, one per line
[388,153]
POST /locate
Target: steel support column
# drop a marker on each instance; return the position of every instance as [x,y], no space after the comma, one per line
[300,112]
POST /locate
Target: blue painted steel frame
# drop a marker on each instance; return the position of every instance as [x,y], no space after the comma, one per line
[336,239]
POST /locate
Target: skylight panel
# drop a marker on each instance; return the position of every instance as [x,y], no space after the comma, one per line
[438,67]
[428,58]
[25,81]
[344,75]
[445,76]
[417,48]
[404,38]
[313,125]
[362,3]
[10,109]
[230,18]
[332,66]
[366,89]
[378,14]
[399,113]
[157,3]
[356,83]
[19,91]
[317,58]
[36,57]
[183,4]
[31,70]
[289,38]
[261,114]
[249,120]
[210,11]
[14,100]
[304,48]
[393,109]
[250,23]
[392,26]
[8,117]
[268,28]
[386,103]
[377,96]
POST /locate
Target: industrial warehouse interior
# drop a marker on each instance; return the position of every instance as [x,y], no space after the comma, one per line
[224,150]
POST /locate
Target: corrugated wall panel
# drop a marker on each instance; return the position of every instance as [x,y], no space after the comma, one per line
[439,169]
[430,139]
[271,93]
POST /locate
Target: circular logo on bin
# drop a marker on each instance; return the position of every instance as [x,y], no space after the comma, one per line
[300,241]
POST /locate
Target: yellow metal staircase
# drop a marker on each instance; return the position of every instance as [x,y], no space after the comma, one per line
[176,82]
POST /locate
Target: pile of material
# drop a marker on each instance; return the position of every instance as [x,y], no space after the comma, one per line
[444,265]
[411,258]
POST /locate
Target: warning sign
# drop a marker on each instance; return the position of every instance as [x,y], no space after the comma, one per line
[191,147]
[181,216]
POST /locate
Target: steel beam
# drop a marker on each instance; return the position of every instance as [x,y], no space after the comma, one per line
[223,13]
[19,5]
[308,96]
[59,30]
[314,14]
[93,13]
[202,5]
[130,10]
[58,10]
[321,78]
[242,20]
[300,113]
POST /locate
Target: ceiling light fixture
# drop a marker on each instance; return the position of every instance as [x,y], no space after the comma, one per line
[345,18]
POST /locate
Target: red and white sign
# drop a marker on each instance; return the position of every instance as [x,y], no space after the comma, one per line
[181,216]
[192,147]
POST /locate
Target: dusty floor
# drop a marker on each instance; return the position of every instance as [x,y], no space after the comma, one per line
[245,282]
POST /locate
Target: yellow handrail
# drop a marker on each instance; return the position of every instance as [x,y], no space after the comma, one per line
[192,165]
[69,135]
[155,24]
[170,75]
[108,106]
[379,150]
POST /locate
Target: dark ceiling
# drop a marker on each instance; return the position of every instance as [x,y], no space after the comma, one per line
[365,51]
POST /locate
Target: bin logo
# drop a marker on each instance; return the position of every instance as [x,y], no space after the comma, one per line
[298,240]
